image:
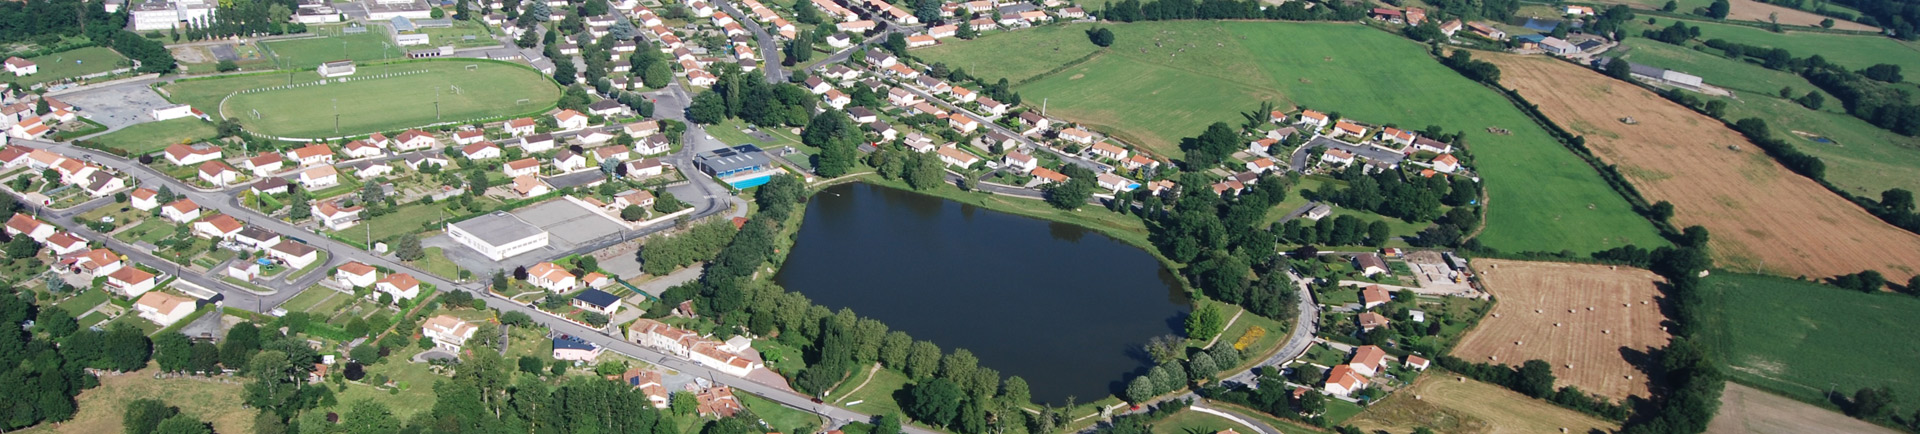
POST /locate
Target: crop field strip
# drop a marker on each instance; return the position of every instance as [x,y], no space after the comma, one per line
[1761,216]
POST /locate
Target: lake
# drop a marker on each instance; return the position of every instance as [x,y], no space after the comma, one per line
[1064,307]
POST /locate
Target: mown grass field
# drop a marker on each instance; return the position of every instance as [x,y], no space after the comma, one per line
[154,136]
[101,408]
[1861,158]
[378,104]
[1166,80]
[1042,48]
[334,45]
[1854,51]
[72,63]
[1801,339]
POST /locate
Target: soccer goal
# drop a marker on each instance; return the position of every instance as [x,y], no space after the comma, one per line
[472,67]
[255,113]
[522,101]
[456,89]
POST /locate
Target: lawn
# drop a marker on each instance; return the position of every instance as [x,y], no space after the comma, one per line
[1166,80]
[1800,339]
[1194,422]
[877,397]
[151,230]
[1853,51]
[455,36]
[307,53]
[779,418]
[437,263]
[72,63]
[1339,411]
[406,219]
[729,132]
[414,380]
[308,298]
[101,408]
[1046,48]
[83,301]
[1861,158]
[153,136]
[373,104]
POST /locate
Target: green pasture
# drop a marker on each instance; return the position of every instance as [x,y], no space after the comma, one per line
[1802,339]
[419,93]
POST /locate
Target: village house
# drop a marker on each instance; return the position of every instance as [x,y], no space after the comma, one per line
[361,149]
[639,198]
[180,211]
[521,167]
[144,199]
[645,167]
[1021,162]
[414,139]
[402,286]
[255,237]
[21,67]
[415,160]
[566,161]
[1446,163]
[218,173]
[336,217]
[468,137]
[1045,176]
[551,276]
[1337,157]
[615,152]
[569,348]
[483,150]
[447,332]
[1369,360]
[569,120]
[354,274]
[1314,119]
[1349,129]
[957,158]
[92,263]
[519,126]
[1260,165]
[992,107]
[217,226]
[100,183]
[295,254]
[1114,183]
[1034,122]
[530,186]
[130,281]
[1108,151]
[267,163]
[163,308]
[1342,381]
[649,384]
[1369,321]
[62,243]
[311,154]
[1369,264]
[182,155]
[1398,137]
[594,300]
[319,177]
[1083,137]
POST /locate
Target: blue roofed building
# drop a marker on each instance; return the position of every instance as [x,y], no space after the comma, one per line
[573,348]
[594,300]
[743,166]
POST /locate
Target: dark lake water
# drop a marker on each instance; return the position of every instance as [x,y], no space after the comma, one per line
[1064,307]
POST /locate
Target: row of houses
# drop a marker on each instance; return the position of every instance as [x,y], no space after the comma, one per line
[731,357]
[96,180]
[1401,143]
[1366,363]
[117,274]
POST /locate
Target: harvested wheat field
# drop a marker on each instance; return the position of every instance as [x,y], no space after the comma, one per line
[1581,315]
[1746,410]
[1447,404]
[1761,216]
[1751,10]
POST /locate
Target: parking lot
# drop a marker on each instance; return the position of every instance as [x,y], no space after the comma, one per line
[118,105]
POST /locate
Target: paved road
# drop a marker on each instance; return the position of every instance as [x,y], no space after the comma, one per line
[1298,161]
[769,48]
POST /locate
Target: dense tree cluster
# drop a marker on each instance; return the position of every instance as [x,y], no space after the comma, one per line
[920,170]
[1899,17]
[41,374]
[1477,70]
[839,141]
[662,255]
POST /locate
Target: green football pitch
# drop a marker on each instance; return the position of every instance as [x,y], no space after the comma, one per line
[376,98]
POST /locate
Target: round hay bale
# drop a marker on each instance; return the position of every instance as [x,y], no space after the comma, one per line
[1606,332]
[1556,324]
[1589,308]
[1536,311]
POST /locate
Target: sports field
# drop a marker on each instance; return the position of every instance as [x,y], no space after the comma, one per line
[1861,158]
[368,104]
[1166,80]
[1801,339]
[153,136]
[333,44]
[1579,318]
[71,63]
[1447,404]
[1853,51]
[1762,217]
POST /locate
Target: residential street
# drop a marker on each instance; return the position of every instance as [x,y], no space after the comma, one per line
[769,48]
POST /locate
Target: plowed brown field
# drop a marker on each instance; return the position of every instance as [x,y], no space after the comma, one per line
[1587,316]
[1761,216]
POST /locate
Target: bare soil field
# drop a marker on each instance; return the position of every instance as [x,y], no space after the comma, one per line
[1745,410]
[1583,319]
[1750,10]
[1441,401]
[1762,217]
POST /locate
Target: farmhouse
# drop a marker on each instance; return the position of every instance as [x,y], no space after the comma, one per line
[499,235]
[21,67]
